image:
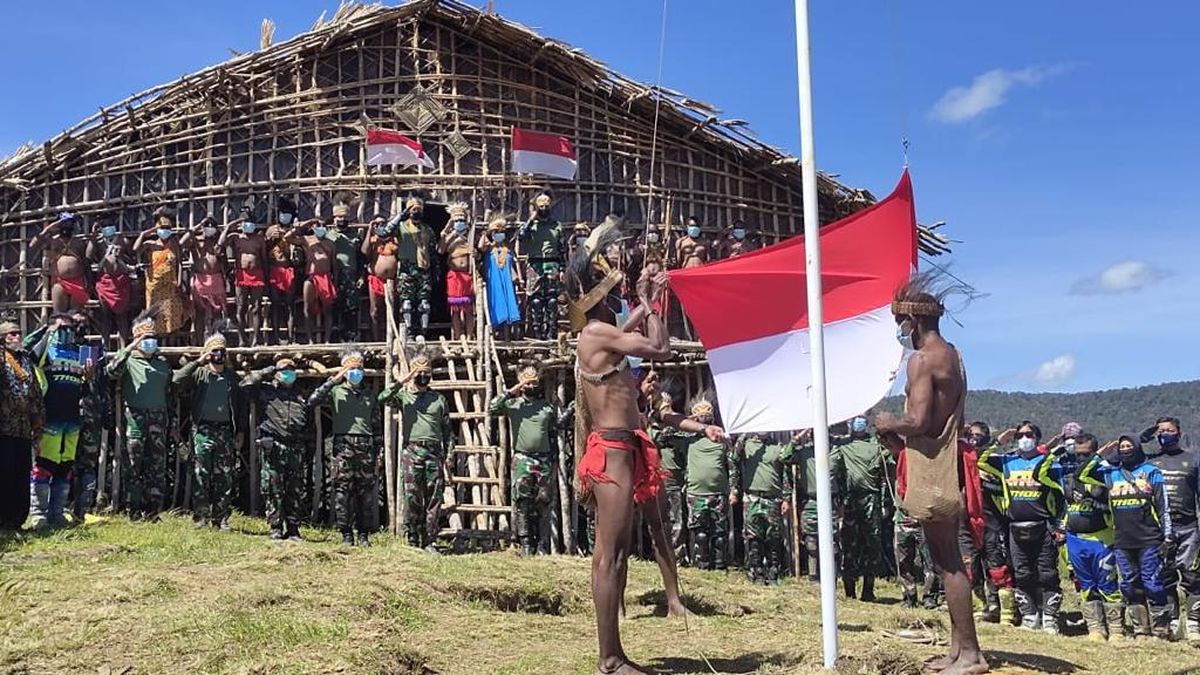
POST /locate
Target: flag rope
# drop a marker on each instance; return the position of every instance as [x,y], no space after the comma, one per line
[662,48]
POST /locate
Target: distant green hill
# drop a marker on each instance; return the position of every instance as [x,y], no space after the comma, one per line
[1107,414]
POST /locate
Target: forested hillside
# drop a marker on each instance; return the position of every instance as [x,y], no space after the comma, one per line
[1105,413]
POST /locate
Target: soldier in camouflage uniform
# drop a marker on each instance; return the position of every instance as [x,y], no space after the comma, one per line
[913,562]
[712,473]
[862,553]
[347,240]
[806,484]
[95,419]
[281,434]
[541,241]
[145,378]
[355,447]
[413,258]
[215,437]
[535,451]
[766,491]
[428,438]
[672,449]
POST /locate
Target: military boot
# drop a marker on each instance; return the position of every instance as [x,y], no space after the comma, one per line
[1193,618]
[348,537]
[910,600]
[60,489]
[931,601]
[364,538]
[522,530]
[991,604]
[1051,603]
[1007,601]
[774,561]
[1028,609]
[718,554]
[814,568]
[1093,616]
[868,589]
[754,561]
[849,585]
[39,506]
[1160,622]
[700,550]
[1114,617]
[1139,617]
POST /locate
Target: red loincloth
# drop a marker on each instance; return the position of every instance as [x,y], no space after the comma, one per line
[326,294]
[250,278]
[283,279]
[75,289]
[376,285]
[115,291]
[208,291]
[460,289]
[647,472]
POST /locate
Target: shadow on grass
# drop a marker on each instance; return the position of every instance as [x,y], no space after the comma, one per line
[748,663]
[695,605]
[1036,662]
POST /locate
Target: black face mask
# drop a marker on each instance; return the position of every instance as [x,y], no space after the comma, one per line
[65,335]
[66,231]
[535,392]
[218,357]
[423,380]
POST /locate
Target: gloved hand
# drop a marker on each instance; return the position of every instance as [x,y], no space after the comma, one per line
[1166,550]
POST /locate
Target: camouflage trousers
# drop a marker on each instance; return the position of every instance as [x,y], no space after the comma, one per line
[708,527]
[213,465]
[87,464]
[675,502]
[281,480]
[424,484]
[862,536]
[144,469]
[346,305]
[413,288]
[353,476]
[812,545]
[762,518]
[913,559]
[543,290]
[532,486]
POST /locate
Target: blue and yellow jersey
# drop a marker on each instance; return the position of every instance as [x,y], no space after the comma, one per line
[1031,486]
[1137,501]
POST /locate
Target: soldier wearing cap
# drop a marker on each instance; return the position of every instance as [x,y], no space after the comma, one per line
[535,448]
[285,415]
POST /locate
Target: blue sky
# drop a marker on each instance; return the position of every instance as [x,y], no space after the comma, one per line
[1057,140]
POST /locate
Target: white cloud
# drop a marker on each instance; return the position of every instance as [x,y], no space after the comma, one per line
[1056,371]
[988,90]
[1126,276]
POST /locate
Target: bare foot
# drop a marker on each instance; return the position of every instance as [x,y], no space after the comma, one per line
[623,668]
[966,665]
[676,610]
[940,663]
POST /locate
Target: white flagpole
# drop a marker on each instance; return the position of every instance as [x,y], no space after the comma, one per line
[816,331]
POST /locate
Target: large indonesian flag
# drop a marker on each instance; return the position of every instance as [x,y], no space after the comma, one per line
[547,154]
[751,313]
[386,147]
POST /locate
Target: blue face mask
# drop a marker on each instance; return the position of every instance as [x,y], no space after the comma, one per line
[109,231]
[287,377]
[320,232]
[499,237]
[164,233]
[383,230]
[249,228]
[693,231]
[285,218]
[460,226]
[651,237]
[149,345]
[739,233]
[858,425]
[905,339]
[355,376]
[1167,440]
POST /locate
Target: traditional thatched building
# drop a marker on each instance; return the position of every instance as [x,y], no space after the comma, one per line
[290,119]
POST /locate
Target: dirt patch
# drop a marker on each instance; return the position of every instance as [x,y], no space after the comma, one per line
[549,601]
[877,661]
[406,662]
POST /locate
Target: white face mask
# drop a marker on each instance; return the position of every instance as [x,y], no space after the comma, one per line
[1026,445]
[210,232]
[285,219]
[905,338]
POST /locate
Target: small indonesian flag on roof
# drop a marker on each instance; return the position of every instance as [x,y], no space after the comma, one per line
[751,313]
[386,147]
[546,154]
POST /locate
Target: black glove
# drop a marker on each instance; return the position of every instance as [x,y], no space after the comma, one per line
[1166,550]
[1149,434]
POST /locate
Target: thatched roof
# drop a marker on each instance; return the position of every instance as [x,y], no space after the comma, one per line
[103,132]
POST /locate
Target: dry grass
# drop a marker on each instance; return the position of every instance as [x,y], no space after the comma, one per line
[116,597]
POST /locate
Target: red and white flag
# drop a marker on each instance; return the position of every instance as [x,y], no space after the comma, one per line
[547,154]
[386,147]
[751,313]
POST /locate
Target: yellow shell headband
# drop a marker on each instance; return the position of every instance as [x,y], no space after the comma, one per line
[907,308]
[702,408]
[542,200]
[420,365]
[526,375]
[215,342]
[143,328]
[352,361]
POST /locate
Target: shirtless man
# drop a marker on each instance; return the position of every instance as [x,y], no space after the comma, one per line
[620,467]
[929,428]
[735,242]
[380,248]
[250,276]
[66,262]
[320,289]
[206,245]
[691,250]
[282,256]
[114,287]
[455,243]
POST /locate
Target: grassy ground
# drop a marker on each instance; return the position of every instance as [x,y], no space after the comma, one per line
[120,597]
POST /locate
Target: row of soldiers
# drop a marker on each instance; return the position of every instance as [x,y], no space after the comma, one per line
[324,264]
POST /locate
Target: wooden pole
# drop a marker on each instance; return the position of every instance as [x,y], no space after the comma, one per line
[318,466]
[795,523]
[252,451]
[564,494]
[119,400]
[389,443]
